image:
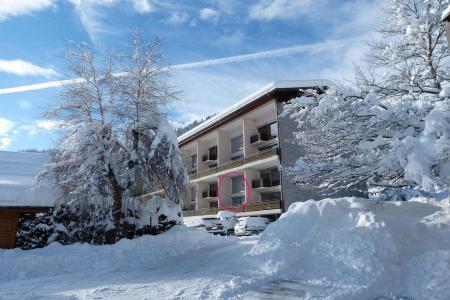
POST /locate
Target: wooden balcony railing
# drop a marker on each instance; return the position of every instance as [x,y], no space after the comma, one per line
[266,205]
[236,163]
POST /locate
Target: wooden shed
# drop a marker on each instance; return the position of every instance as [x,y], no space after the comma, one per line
[9,220]
[18,196]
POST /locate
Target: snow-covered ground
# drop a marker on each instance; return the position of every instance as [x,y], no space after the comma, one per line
[333,249]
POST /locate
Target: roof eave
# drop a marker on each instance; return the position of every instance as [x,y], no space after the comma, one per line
[265,91]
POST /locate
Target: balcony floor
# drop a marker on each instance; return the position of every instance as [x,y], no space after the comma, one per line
[253,209]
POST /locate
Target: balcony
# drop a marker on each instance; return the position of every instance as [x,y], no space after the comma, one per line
[201,212]
[236,155]
[264,185]
[253,207]
[210,160]
[261,139]
[209,194]
[237,162]
[259,183]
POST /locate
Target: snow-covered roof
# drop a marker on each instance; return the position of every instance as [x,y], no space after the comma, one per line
[17,173]
[445,14]
[283,84]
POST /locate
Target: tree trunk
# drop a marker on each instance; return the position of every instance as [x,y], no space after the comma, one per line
[117,197]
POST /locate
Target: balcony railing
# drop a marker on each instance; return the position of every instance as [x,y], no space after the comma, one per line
[209,194]
[259,138]
[206,157]
[261,183]
[258,206]
[236,155]
[237,162]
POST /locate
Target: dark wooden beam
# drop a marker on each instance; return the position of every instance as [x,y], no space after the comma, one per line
[24,209]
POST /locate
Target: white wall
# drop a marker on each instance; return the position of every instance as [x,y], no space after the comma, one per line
[223,149]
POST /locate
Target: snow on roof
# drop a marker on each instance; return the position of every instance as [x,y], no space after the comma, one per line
[445,14]
[283,84]
[17,173]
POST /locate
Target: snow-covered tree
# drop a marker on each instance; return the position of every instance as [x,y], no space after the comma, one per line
[153,159]
[386,129]
[412,51]
[116,142]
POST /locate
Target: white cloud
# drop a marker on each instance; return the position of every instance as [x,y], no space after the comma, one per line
[91,17]
[234,38]
[307,48]
[279,9]
[5,126]
[5,142]
[13,8]
[177,18]
[5,130]
[75,2]
[11,131]
[209,14]
[33,128]
[313,48]
[93,14]
[47,124]
[225,84]
[24,68]
[142,6]
[28,129]
[24,104]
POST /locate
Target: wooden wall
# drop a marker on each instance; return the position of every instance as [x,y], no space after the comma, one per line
[8,228]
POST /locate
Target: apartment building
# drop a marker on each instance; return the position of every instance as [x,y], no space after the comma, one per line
[249,140]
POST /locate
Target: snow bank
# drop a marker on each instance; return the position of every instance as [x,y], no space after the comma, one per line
[149,211]
[352,246]
[137,254]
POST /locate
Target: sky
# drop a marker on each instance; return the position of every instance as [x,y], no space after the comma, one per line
[263,41]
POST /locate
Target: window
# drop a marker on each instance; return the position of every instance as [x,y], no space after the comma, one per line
[237,184]
[212,152]
[270,177]
[194,162]
[236,145]
[237,200]
[272,196]
[269,131]
[213,204]
[211,155]
[275,176]
[213,190]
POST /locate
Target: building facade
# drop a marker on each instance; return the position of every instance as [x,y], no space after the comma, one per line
[249,141]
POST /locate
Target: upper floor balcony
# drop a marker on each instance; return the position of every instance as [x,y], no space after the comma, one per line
[209,194]
[260,155]
[210,158]
[248,138]
[269,179]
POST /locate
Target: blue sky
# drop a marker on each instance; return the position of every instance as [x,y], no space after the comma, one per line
[34,35]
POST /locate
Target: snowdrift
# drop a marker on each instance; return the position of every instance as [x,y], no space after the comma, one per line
[137,254]
[357,248]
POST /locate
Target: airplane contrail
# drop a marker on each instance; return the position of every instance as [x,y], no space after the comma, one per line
[315,47]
